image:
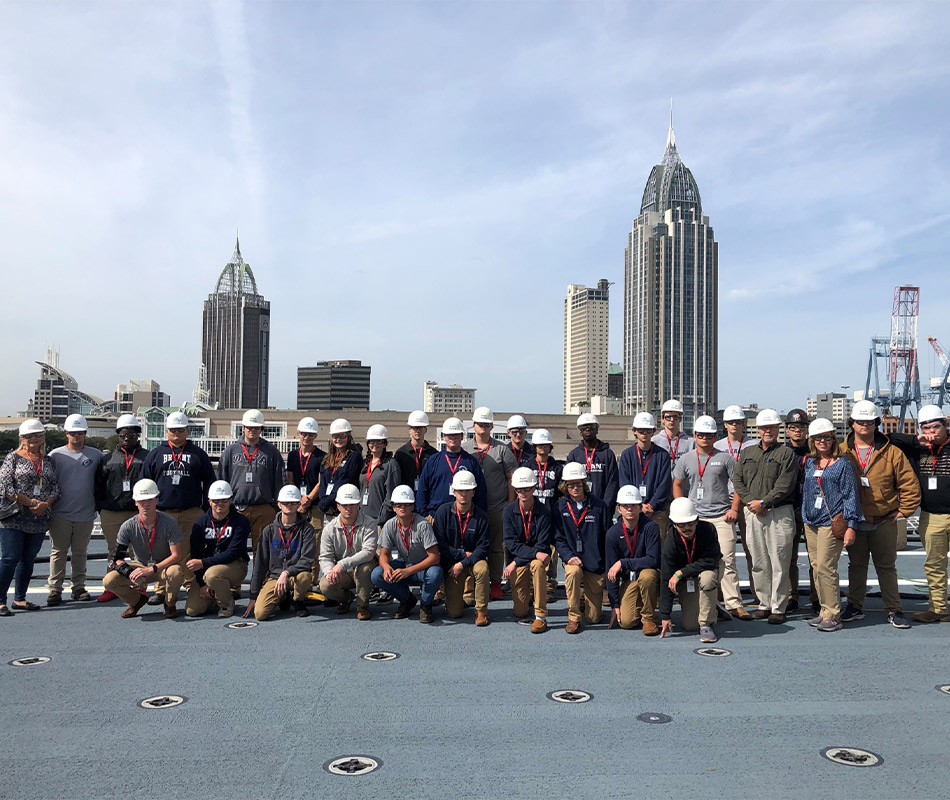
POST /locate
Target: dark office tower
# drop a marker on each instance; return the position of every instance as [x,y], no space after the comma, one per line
[235,340]
[333,385]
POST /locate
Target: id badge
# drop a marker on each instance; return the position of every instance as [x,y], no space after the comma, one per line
[176,479]
[249,477]
[580,545]
[590,485]
[932,482]
[365,498]
[819,501]
[819,473]
[303,489]
[633,576]
[126,486]
[329,489]
[865,482]
[415,485]
[643,491]
[699,492]
[36,491]
[690,585]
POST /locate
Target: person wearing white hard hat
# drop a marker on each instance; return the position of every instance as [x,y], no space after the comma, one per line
[283,561]
[547,471]
[704,476]
[598,460]
[435,480]
[765,484]
[528,537]
[689,569]
[155,541]
[580,528]
[379,476]
[889,491]
[646,466]
[218,554]
[303,471]
[464,534]
[930,458]
[408,555]
[255,469]
[70,526]
[632,555]
[118,472]
[341,465]
[28,479]
[348,554]
[830,491]
[521,449]
[412,456]
[672,439]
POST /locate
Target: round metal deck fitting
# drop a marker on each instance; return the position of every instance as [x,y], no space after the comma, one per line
[852,757]
[30,661]
[945,688]
[380,655]
[238,626]
[572,696]
[352,765]
[654,718]
[162,701]
[712,652]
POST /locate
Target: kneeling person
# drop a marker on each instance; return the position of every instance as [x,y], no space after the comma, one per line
[633,553]
[283,560]
[218,554]
[348,554]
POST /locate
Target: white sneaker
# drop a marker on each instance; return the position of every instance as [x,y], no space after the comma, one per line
[706,634]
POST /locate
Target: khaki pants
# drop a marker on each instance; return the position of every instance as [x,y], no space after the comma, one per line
[171,578]
[638,598]
[935,534]
[358,579]
[881,546]
[496,549]
[220,579]
[824,550]
[770,539]
[111,521]
[66,535]
[454,589]
[577,581]
[662,519]
[699,606]
[186,519]
[260,516]
[530,578]
[728,574]
[267,600]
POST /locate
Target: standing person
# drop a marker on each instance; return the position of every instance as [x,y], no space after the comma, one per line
[547,471]
[348,554]
[412,456]
[528,538]
[830,489]
[379,476]
[183,473]
[303,471]
[497,464]
[28,478]
[704,476]
[408,555]
[463,533]
[633,557]
[580,532]
[70,527]
[218,554]
[255,469]
[689,563]
[118,472]
[671,438]
[435,480]
[796,431]
[764,481]
[518,440]
[646,466]
[341,465]
[598,460]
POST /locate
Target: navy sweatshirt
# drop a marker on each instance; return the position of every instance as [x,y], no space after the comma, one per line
[651,469]
[539,535]
[190,465]
[645,539]
[332,479]
[602,472]
[673,556]
[585,539]
[549,478]
[452,544]
[435,481]
[221,542]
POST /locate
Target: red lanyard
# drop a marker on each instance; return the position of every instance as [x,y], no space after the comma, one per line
[589,457]
[822,469]
[286,542]
[936,455]
[304,464]
[151,541]
[577,520]
[452,469]
[673,447]
[701,467]
[37,465]
[128,459]
[224,527]
[418,456]
[631,547]
[643,466]
[482,453]
[406,537]
[802,465]
[348,536]
[250,456]
[542,472]
[865,461]
[518,453]
[370,469]
[463,527]
[689,550]
[735,453]
[526,526]
[176,459]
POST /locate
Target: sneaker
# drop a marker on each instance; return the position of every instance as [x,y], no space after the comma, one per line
[384,599]
[722,615]
[496,593]
[425,614]
[739,612]
[505,587]
[402,611]
[226,612]
[106,596]
[54,599]
[918,616]
[851,613]
[706,634]
[815,622]
[898,620]
[828,626]
[156,600]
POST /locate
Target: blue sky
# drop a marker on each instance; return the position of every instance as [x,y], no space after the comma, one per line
[416,183]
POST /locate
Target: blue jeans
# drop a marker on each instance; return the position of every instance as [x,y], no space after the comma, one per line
[430,580]
[17,553]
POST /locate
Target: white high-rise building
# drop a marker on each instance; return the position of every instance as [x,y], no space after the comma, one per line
[585,343]
[453,399]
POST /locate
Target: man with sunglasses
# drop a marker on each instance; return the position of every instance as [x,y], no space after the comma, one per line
[518,443]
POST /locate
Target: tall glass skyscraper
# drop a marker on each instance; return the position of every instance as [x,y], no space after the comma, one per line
[671,296]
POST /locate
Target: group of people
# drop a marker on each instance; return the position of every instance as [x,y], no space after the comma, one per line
[480,517]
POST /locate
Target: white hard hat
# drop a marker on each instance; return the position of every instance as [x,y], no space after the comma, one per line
[574,472]
[177,419]
[930,414]
[340,425]
[483,414]
[864,410]
[75,423]
[376,432]
[819,426]
[767,416]
[253,418]
[418,419]
[643,420]
[629,496]
[516,421]
[403,494]
[705,424]
[541,436]
[672,405]
[220,490]
[463,479]
[127,421]
[347,495]
[29,426]
[732,413]
[523,478]
[452,425]
[308,425]
[587,419]
[682,510]
[289,494]
[144,489]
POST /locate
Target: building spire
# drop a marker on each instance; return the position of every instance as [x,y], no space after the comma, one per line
[671,154]
[671,137]
[236,256]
